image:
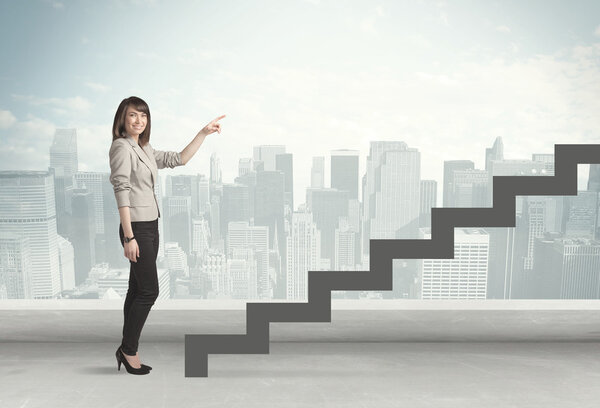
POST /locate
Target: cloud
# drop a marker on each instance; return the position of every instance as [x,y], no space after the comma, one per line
[597,31]
[446,112]
[55,4]
[62,106]
[7,119]
[503,29]
[98,87]
[369,24]
[25,145]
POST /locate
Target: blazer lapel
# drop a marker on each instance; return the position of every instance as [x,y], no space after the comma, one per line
[144,157]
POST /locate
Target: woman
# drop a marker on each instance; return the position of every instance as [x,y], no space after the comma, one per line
[134,165]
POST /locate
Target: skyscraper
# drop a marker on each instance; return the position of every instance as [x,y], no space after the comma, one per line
[235,205]
[15,266]
[317,172]
[594,178]
[469,188]
[269,204]
[582,215]
[391,194]
[450,166]
[464,276]
[284,163]
[63,164]
[303,253]
[344,171]
[245,165]
[267,155]
[92,181]
[567,268]
[27,210]
[397,195]
[326,206]
[496,152]
[547,159]
[215,169]
[242,238]
[83,233]
[178,220]
[428,199]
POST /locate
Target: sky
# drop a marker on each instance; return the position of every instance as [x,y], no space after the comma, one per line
[447,78]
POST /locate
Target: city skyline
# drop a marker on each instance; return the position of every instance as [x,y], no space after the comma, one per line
[243,240]
[446,78]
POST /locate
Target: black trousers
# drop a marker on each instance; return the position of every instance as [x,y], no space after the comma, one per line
[143,283]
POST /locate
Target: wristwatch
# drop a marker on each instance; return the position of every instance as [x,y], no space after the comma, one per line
[129,239]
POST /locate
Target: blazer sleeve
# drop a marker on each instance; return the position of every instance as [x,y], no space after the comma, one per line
[166,159]
[120,171]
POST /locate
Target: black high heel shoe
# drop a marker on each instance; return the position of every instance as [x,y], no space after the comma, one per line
[121,359]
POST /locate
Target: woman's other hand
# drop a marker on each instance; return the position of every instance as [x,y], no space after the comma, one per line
[213,126]
[132,251]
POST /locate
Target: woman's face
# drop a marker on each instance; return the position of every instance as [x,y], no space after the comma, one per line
[135,121]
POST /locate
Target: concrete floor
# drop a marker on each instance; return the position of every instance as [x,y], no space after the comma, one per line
[329,374]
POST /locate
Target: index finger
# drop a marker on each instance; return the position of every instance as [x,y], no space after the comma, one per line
[219,118]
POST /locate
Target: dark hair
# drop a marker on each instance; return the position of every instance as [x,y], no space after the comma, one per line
[119,122]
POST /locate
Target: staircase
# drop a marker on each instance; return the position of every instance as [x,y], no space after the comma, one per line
[382,253]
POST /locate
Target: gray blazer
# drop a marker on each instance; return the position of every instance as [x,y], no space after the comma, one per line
[133,171]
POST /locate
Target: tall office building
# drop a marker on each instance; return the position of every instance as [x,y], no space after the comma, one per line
[27,210]
[541,214]
[63,162]
[244,239]
[267,155]
[215,223]
[200,236]
[215,169]
[269,204]
[501,261]
[397,195]
[317,172]
[185,185]
[249,180]
[245,165]
[178,221]
[66,260]
[594,178]
[15,266]
[92,181]
[344,171]
[326,206]
[242,270]
[428,200]
[450,167]
[345,237]
[235,205]
[83,233]
[496,152]
[303,254]
[214,267]
[285,163]
[567,268]
[176,260]
[581,215]
[547,159]
[390,192]
[465,276]
[203,194]
[469,188]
